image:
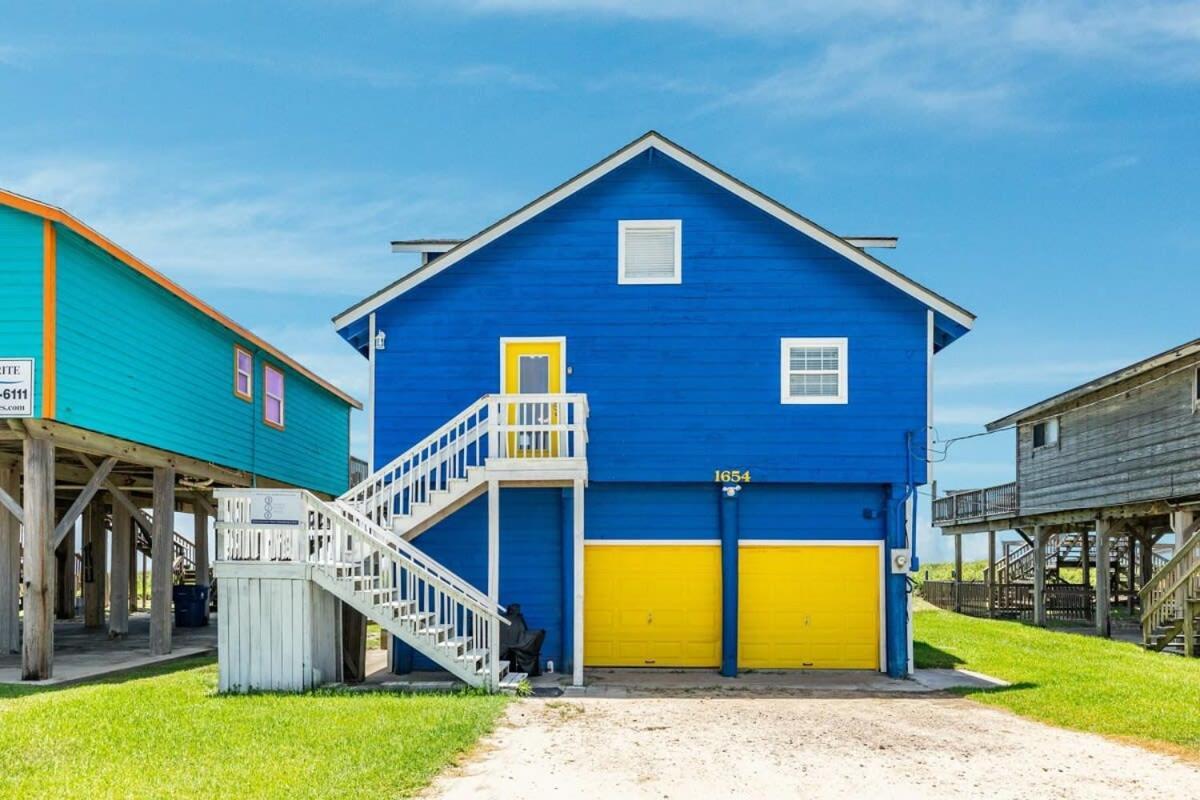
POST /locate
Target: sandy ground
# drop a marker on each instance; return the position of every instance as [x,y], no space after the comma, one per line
[813,747]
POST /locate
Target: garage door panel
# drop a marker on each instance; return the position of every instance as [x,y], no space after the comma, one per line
[808,606]
[664,601]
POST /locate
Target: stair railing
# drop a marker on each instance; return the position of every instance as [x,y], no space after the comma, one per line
[428,466]
[506,426]
[1165,596]
[389,584]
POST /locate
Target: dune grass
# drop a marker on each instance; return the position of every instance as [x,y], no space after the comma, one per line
[1067,679]
[165,733]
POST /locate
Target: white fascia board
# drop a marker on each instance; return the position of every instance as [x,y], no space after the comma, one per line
[722,179]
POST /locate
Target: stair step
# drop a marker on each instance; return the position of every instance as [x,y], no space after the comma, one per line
[512,681]
[436,631]
[483,670]
[478,656]
[457,643]
[418,618]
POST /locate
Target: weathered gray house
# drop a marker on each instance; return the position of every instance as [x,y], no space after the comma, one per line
[1108,473]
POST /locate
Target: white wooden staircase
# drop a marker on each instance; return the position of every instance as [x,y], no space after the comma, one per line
[358,546]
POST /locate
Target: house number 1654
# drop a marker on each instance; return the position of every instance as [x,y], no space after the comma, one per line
[731,475]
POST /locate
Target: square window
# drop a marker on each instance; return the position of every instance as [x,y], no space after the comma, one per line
[1045,433]
[650,251]
[273,396]
[243,373]
[813,371]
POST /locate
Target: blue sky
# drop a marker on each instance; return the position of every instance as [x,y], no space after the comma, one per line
[1039,161]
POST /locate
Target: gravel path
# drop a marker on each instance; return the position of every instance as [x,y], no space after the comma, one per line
[811,747]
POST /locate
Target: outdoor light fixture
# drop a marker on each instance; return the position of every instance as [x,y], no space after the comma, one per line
[381,341]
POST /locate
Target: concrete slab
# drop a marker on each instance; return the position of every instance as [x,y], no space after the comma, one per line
[650,682]
[82,655]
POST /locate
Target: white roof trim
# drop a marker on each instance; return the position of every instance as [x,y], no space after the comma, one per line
[672,150]
[886,242]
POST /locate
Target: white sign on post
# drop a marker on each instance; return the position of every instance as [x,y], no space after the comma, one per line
[16,387]
[275,508]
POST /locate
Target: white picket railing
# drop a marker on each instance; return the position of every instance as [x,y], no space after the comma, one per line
[514,426]
[384,577]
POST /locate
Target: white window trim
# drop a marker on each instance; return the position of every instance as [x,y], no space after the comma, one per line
[785,371]
[280,397]
[636,224]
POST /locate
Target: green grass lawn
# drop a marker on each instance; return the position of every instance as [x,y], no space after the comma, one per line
[166,733]
[1081,682]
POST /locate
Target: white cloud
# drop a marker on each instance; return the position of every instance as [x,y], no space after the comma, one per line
[966,414]
[499,75]
[323,234]
[940,59]
[1058,375]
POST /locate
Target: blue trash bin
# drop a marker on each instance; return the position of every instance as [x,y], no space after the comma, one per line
[191,605]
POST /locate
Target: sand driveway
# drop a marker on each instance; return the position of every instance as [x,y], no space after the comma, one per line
[739,746]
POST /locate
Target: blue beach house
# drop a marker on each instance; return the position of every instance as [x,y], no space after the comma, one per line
[678,423]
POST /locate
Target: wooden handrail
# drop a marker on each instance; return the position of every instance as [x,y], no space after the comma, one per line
[1193,534]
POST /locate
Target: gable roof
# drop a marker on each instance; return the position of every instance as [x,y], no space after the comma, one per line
[57,215]
[1163,359]
[657,141]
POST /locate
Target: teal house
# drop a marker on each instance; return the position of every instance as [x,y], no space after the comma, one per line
[130,387]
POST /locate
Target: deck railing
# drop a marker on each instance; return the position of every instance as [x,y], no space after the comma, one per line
[1064,601]
[505,426]
[1166,596]
[976,504]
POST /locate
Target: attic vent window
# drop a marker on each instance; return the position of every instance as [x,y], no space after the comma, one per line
[813,371]
[650,251]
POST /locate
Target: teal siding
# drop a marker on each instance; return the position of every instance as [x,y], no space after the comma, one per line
[136,362]
[21,291]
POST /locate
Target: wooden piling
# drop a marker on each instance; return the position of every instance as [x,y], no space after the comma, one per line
[95,564]
[10,563]
[161,550]
[122,543]
[37,652]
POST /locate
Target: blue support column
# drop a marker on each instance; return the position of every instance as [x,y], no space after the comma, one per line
[568,582]
[729,580]
[896,587]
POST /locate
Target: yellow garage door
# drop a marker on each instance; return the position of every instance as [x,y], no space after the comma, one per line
[652,605]
[808,606]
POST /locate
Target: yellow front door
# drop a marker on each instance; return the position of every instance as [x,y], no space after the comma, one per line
[652,605]
[808,606]
[532,367]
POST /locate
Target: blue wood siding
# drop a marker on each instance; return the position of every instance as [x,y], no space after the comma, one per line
[530,557]
[681,379]
[21,292]
[136,362]
[844,512]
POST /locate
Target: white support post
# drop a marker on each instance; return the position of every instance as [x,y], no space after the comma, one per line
[493,578]
[161,547]
[37,654]
[1103,575]
[122,544]
[577,658]
[10,564]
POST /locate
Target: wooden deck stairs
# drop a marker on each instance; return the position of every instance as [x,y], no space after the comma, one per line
[1171,601]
